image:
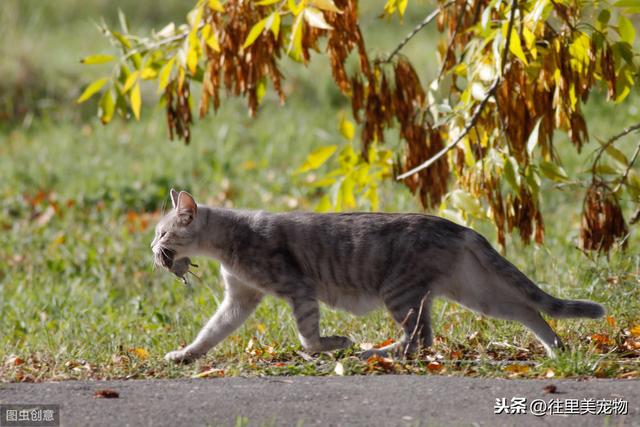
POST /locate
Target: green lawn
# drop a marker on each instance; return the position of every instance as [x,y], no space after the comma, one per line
[79,297]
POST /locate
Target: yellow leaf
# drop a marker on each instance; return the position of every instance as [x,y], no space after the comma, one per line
[216,5]
[295,47]
[192,54]
[275,25]
[165,73]
[295,8]
[635,331]
[515,46]
[327,5]
[148,73]
[261,328]
[91,90]
[255,31]
[136,100]
[140,353]
[128,84]
[402,6]
[516,369]
[315,18]
[324,205]
[347,128]
[212,42]
[317,158]
[266,2]
[106,107]
[97,59]
[210,373]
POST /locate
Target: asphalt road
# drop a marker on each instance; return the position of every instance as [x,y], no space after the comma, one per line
[387,400]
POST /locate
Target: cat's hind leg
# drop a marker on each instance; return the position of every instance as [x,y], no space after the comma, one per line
[307,315]
[239,302]
[534,321]
[410,308]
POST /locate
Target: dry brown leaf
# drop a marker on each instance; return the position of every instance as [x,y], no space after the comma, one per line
[106,394]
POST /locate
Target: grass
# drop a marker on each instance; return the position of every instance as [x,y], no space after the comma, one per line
[78,296]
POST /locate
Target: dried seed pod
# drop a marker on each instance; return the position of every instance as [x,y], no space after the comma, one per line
[602,220]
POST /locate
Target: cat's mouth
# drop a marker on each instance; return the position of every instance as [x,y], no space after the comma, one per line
[166,257]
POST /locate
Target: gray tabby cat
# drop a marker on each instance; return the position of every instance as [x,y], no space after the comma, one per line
[352,261]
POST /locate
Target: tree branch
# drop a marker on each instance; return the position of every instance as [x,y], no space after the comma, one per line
[626,172]
[611,140]
[470,124]
[415,31]
[476,114]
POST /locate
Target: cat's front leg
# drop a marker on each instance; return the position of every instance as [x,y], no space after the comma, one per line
[239,302]
[307,315]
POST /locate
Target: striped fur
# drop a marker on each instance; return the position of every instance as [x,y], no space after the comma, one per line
[352,261]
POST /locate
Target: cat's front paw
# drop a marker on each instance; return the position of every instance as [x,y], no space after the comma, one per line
[180,356]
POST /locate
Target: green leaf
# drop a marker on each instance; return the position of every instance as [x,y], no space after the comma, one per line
[553,171]
[626,29]
[136,101]
[616,154]
[511,173]
[627,3]
[317,158]
[124,25]
[256,30]
[106,107]
[91,90]
[465,202]
[97,59]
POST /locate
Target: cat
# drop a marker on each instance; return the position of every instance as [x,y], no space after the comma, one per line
[352,261]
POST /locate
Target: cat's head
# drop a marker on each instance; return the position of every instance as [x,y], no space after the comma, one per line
[176,235]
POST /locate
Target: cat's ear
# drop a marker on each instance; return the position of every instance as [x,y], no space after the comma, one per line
[174,198]
[186,207]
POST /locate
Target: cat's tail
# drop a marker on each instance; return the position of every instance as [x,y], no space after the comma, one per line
[537,298]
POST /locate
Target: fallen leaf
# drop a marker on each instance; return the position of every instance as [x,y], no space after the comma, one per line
[279,364]
[550,389]
[611,321]
[210,373]
[385,343]
[376,363]
[140,353]
[435,366]
[45,216]
[635,330]
[106,394]
[15,361]
[339,369]
[549,373]
[631,374]
[516,369]
[632,344]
